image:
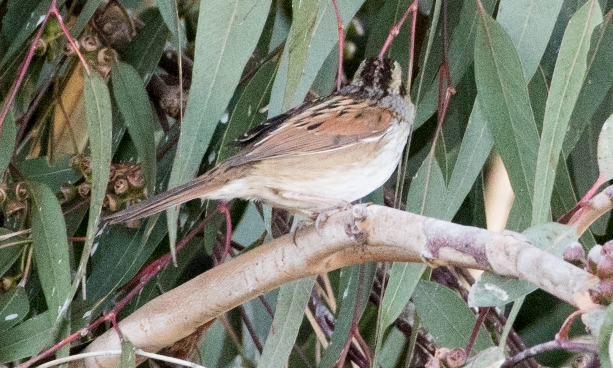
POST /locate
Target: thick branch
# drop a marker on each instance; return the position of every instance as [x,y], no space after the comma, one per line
[381,234]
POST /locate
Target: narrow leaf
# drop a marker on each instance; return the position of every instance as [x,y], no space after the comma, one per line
[145,50]
[529,24]
[605,346]
[14,306]
[99,128]
[428,192]
[10,249]
[598,81]
[566,83]
[131,97]
[170,14]
[293,298]
[474,151]
[503,98]
[248,110]
[460,57]
[605,150]
[226,36]
[446,317]
[350,289]
[50,248]
[28,338]
[312,36]
[53,175]
[8,132]
[128,356]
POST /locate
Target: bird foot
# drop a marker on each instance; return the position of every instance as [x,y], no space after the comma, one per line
[322,217]
[352,223]
[357,214]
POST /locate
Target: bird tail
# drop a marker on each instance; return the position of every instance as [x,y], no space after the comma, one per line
[196,188]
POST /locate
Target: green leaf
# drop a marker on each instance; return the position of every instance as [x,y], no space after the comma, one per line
[604,339]
[14,306]
[7,140]
[349,287]
[428,192]
[605,150]
[247,112]
[145,49]
[446,317]
[566,83]
[503,98]
[392,350]
[312,36]
[529,24]
[127,359]
[226,36]
[211,346]
[131,97]
[402,282]
[460,57]
[474,151]
[170,14]
[426,196]
[598,81]
[122,253]
[26,20]
[50,249]
[488,358]
[52,174]
[84,17]
[293,298]
[387,17]
[28,338]
[10,249]
[99,128]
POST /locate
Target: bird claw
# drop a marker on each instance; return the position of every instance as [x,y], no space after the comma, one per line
[322,217]
[352,228]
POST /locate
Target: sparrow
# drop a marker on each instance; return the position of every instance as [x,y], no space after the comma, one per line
[316,157]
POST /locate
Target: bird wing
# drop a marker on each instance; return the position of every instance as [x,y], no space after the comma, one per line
[332,123]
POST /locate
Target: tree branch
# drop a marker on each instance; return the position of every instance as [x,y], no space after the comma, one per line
[380,234]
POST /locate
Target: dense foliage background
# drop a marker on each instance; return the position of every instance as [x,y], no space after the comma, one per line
[531,83]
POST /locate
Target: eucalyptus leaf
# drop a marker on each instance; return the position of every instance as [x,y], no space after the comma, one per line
[131,97]
[293,298]
[50,249]
[605,150]
[7,140]
[566,83]
[503,98]
[226,36]
[446,317]
[14,306]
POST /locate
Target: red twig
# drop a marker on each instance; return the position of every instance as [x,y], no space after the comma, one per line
[587,197]
[395,30]
[341,43]
[563,333]
[23,67]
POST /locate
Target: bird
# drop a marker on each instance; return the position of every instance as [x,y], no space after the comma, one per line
[319,156]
